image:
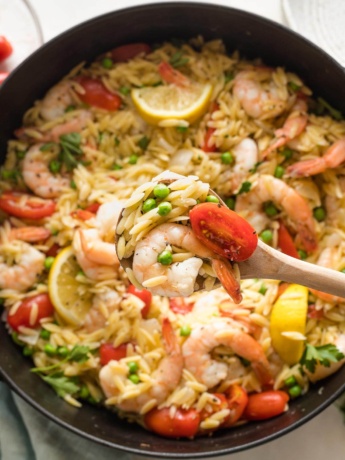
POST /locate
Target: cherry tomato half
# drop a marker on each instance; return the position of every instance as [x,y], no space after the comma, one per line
[286,243]
[5,48]
[107,352]
[185,423]
[97,95]
[267,404]
[179,305]
[25,206]
[237,402]
[127,52]
[223,231]
[21,316]
[143,295]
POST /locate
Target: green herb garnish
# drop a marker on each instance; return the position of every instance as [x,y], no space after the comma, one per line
[324,354]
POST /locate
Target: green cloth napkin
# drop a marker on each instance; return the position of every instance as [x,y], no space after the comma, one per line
[25,434]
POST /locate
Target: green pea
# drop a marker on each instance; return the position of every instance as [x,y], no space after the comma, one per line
[303,255]
[165,257]
[181,129]
[55,166]
[62,351]
[227,158]
[107,63]
[266,236]
[48,262]
[212,199]
[134,378]
[185,330]
[245,187]
[133,159]
[73,185]
[319,213]
[164,208]
[148,205]
[116,167]
[295,391]
[125,90]
[270,209]
[44,334]
[84,392]
[28,351]
[287,153]
[230,202]
[49,349]
[161,191]
[133,367]
[279,172]
[290,381]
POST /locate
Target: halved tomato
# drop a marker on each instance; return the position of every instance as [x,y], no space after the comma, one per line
[26,206]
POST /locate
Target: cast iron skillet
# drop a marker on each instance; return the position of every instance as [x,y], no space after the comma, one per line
[254,37]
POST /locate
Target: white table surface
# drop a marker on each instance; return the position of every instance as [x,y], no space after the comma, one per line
[324,436]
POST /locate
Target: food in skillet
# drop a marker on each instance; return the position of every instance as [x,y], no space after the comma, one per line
[184,366]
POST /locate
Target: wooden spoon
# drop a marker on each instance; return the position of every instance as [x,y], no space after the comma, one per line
[268,263]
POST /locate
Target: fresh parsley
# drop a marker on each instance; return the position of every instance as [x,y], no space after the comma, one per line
[324,354]
[178,60]
[79,354]
[61,384]
[70,150]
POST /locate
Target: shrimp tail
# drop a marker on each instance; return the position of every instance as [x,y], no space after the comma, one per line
[307,168]
[226,275]
[169,337]
[307,237]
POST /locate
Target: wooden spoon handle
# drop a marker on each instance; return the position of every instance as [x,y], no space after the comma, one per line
[268,263]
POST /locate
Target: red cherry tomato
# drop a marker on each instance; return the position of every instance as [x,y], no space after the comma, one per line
[25,206]
[171,75]
[286,243]
[237,402]
[313,313]
[184,423]
[223,231]
[267,404]
[179,305]
[3,76]
[143,295]
[127,52]
[97,95]
[94,207]
[21,316]
[108,352]
[5,48]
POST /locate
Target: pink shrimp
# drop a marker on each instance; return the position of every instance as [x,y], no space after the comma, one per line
[294,125]
[164,379]
[29,234]
[205,337]
[334,157]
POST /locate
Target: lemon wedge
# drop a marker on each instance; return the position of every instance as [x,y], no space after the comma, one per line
[288,322]
[159,103]
[70,298]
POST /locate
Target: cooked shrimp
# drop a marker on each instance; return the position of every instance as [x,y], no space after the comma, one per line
[164,379]
[29,234]
[178,279]
[57,99]
[37,176]
[103,304]
[294,125]
[334,157]
[255,100]
[246,156]
[329,258]
[321,372]
[269,188]
[20,265]
[96,256]
[204,338]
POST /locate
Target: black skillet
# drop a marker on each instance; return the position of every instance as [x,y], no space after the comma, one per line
[253,36]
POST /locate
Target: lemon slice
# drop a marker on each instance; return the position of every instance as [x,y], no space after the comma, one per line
[288,321]
[159,103]
[70,298]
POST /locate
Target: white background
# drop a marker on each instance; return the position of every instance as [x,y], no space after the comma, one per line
[324,436]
